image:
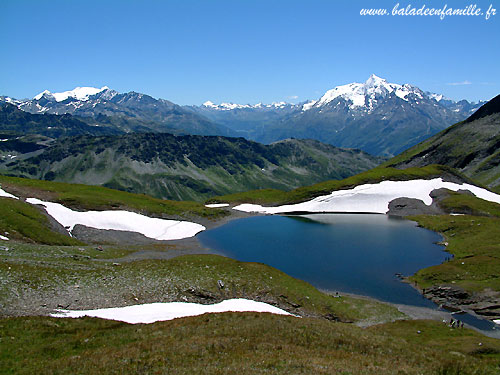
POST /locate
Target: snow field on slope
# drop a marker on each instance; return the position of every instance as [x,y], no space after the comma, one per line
[372,198]
[158,229]
[154,312]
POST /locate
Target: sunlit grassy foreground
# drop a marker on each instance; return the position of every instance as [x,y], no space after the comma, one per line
[244,343]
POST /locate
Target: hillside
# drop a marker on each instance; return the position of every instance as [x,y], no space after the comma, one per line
[274,197]
[190,167]
[471,146]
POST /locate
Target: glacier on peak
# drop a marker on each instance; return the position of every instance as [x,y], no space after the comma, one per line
[365,94]
[80,93]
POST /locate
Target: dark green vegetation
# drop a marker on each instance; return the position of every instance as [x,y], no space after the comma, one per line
[246,343]
[473,239]
[277,197]
[471,146]
[191,167]
[85,197]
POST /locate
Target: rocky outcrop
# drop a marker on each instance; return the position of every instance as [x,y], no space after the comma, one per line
[106,236]
[410,207]
[454,298]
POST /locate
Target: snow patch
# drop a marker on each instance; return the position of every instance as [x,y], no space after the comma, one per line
[309,105]
[372,198]
[158,229]
[154,312]
[80,93]
[4,194]
[217,205]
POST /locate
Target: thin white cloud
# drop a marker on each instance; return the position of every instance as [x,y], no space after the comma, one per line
[293,97]
[466,82]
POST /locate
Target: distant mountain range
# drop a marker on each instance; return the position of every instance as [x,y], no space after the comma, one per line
[378,117]
[128,112]
[471,146]
[185,167]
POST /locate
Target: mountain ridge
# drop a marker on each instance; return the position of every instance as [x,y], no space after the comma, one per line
[157,115]
[472,146]
[190,167]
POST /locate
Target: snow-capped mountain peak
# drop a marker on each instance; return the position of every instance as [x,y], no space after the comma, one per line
[365,94]
[79,93]
[375,80]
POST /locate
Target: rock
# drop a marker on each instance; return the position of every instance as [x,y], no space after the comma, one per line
[410,206]
[331,317]
[202,294]
[490,310]
[104,236]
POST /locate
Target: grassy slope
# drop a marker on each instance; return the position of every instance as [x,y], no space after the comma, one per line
[22,221]
[246,343]
[51,274]
[98,198]
[471,146]
[277,197]
[415,150]
[472,239]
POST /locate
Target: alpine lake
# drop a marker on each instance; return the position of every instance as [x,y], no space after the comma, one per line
[363,254]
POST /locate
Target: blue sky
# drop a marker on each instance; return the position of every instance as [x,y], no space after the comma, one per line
[191,51]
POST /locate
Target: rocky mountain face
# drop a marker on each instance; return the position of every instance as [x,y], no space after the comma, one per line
[190,167]
[471,146]
[128,112]
[376,116]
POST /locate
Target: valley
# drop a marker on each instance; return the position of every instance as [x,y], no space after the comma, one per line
[109,219]
[249,187]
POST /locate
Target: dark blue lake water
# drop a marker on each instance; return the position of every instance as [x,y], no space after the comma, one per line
[353,253]
[344,252]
